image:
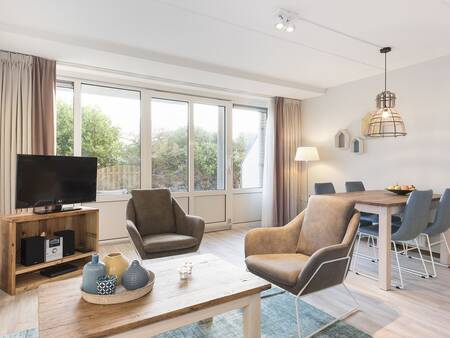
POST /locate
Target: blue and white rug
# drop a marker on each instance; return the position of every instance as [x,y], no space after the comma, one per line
[278,321]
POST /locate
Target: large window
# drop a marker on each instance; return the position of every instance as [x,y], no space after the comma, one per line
[209,147]
[64,118]
[169,120]
[249,125]
[111,132]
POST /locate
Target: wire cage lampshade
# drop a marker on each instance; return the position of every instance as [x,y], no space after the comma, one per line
[386,121]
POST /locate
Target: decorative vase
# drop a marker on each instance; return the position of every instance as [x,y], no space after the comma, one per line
[116,264]
[91,272]
[106,285]
[135,277]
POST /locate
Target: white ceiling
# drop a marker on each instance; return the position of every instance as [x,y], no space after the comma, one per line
[237,37]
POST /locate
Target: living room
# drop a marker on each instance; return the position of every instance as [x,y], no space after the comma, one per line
[226,168]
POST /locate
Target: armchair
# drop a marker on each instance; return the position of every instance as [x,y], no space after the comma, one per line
[310,253]
[159,227]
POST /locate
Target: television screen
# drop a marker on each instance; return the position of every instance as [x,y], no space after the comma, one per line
[49,180]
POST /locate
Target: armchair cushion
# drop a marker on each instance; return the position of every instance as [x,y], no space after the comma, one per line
[154,212]
[325,223]
[279,268]
[167,242]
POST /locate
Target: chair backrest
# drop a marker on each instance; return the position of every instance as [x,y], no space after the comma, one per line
[324,188]
[325,223]
[416,216]
[153,211]
[442,220]
[354,186]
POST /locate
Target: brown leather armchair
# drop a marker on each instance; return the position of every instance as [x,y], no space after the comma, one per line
[310,253]
[159,227]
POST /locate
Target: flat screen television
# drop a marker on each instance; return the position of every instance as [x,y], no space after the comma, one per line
[48,182]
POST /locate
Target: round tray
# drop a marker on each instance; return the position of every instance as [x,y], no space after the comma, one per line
[122,295]
[400,192]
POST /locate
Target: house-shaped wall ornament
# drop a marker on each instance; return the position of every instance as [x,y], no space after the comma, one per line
[357,145]
[342,139]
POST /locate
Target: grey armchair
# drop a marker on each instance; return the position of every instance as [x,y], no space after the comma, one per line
[310,253]
[159,227]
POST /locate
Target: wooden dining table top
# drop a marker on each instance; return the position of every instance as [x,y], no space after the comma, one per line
[381,198]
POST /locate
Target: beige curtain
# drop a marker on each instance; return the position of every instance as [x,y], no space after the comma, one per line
[287,171]
[15,121]
[44,91]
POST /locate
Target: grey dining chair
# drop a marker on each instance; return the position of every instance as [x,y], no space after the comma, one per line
[353,186]
[324,188]
[439,226]
[414,222]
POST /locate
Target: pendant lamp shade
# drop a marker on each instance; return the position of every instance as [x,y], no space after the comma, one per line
[386,121]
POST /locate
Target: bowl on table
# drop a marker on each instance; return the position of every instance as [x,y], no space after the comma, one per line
[401,189]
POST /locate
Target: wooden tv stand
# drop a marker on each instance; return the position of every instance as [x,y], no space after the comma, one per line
[14,277]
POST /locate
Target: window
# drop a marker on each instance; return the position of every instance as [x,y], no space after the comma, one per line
[248,131]
[111,132]
[64,118]
[209,147]
[169,120]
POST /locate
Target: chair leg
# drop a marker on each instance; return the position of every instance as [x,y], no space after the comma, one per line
[354,309]
[421,258]
[374,249]
[446,243]
[399,267]
[355,264]
[431,256]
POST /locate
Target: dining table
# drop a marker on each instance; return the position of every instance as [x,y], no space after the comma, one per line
[385,204]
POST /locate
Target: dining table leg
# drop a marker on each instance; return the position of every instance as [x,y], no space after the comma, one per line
[384,248]
[444,255]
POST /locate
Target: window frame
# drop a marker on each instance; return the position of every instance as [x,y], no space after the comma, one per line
[146,95]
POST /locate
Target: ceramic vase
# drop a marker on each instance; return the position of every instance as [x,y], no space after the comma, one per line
[91,272]
[135,277]
[116,264]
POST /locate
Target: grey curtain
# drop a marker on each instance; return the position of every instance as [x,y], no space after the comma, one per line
[287,170]
[43,108]
[15,121]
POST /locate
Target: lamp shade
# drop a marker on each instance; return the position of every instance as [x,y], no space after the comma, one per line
[307,154]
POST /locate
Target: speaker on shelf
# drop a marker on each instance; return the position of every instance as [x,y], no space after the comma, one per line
[68,241]
[32,250]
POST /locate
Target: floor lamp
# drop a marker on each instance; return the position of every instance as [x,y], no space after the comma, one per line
[307,154]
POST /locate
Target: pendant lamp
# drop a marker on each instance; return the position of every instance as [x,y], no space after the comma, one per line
[386,121]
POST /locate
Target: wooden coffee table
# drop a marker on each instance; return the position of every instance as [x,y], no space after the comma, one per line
[214,288]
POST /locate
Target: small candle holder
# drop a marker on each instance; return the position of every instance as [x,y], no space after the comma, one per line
[184,272]
[188,266]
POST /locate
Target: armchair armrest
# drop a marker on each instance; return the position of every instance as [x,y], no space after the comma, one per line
[136,238]
[187,224]
[274,240]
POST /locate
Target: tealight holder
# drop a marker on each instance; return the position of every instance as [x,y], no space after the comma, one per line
[184,272]
[188,266]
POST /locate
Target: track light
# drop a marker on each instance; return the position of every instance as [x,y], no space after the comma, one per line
[285,23]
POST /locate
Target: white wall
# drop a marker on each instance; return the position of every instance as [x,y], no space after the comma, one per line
[421,158]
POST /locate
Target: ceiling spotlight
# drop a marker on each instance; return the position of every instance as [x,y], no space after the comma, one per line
[290,27]
[285,23]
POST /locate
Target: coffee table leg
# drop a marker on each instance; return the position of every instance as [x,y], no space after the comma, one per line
[252,318]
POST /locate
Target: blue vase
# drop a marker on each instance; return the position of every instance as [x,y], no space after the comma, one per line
[91,272]
[135,276]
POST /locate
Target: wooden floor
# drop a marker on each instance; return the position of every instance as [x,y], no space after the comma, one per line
[422,309]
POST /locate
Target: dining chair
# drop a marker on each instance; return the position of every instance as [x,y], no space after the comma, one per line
[324,188]
[413,224]
[439,227]
[353,186]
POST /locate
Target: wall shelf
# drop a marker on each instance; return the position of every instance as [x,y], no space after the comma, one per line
[342,139]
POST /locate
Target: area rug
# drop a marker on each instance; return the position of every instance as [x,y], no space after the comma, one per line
[278,320]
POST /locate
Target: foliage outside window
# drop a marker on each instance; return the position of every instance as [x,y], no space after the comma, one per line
[169,121]
[111,132]
[249,125]
[64,119]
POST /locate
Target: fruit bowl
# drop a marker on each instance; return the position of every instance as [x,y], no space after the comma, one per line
[401,192]
[401,189]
